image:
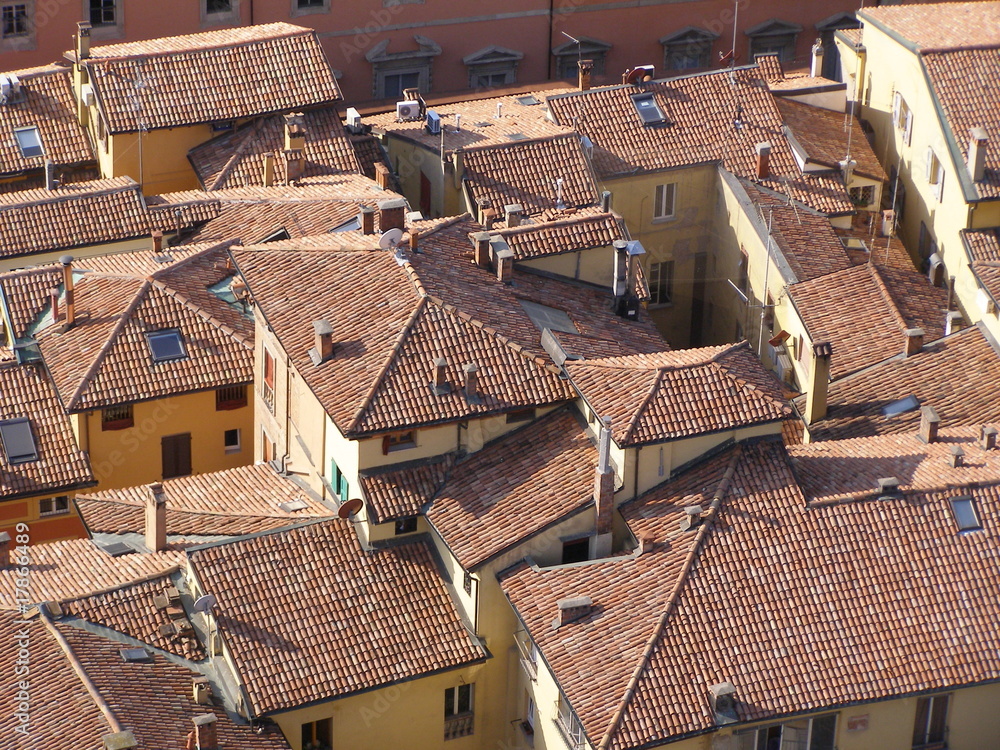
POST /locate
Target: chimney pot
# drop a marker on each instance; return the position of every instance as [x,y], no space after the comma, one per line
[201,691]
[914,341]
[763,160]
[67,264]
[439,382]
[621,268]
[691,518]
[604,481]
[471,382]
[5,549]
[953,322]
[51,183]
[268,176]
[205,734]
[392,214]
[513,213]
[54,299]
[956,457]
[572,608]
[295,131]
[723,700]
[606,201]
[366,218]
[505,265]
[323,338]
[156,518]
[157,237]
[988,438]
[888,486]
[586,67]
[929,423]
[816,68]
[978,145]
[383,177]
[414,241]
[483,249]
[82,40]
[646,543]
[819,386]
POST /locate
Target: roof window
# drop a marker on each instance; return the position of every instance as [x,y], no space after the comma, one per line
[901,406]
[548,317]
[528,101]
[351,225]
[648,109]
[964,510]
[29,141]
[166,345]
[18,442]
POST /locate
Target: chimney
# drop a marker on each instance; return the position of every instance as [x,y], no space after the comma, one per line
[439,381]
[586,68]
[988,438]
[978,144]
[295,132]
[505,265]
[888,223]
[887,487]
[295,165]
[819,385]
[119,740]
[604,481]
[763,160]
[392,214]
[82,40]
[205,737]
[366,218]
[929,423]
[268,176]
[956,457]
[513,213]
[201,691]
[51,183]
[67,264]
[4,549]
[323,333]
[54,299]
[914,341]
[157,237]
[621,261]
[691,518]
[414,241]
[606,201]
[816,68]
[847,167]
[471,382]
[723,700]
[156,518]
[646,543]
[572,608]
[482,253]
[383,177]
[952,322]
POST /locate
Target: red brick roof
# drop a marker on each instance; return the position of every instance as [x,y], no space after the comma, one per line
[670,395]
[581,231]
[27,294]
[863,312]
[209,77]
[237,501]
[940,25]
[983,247]
[322,626]
[402,490]
[824,135]
[514,488]
[28,393]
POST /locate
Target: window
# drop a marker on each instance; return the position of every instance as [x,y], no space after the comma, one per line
[218,6]
[18,441]
[576,550]
[521,415]
[552,318]
[773,37]
[902,117]
[935,173]
[216,12]
[317,735]
[528,654]
[900,406]
[267,392]
[166,345]
[929,727]
[29,141]
[406,525]
[567,55]
[863,195]
[103,13]
[528,725]
[467,583]
[649,112]
[458,716]
[661,281]
[817,733]
[492,66]
[400,441]
[230,397]
[396,71]
[53,506]
[175,451]
[688,49]
[304,7]
[964,510]
[309,4]
[568,724]
[14,21]
[231,440]
[394,84]
[117,417]
[339,482]
[663,201]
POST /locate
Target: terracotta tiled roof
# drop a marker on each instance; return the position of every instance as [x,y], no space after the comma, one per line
[956,375]
[237,501]
[131,609]
[77,567]
[26,295]
[883,251]
[824,135]
[524,172]
[28,393]
[515,487]
[236,159]
[853,35]
[105,359]
[737,600]
[369,152]
[322,626]
[210,77]
[670,395]
[47,104]
[940,25]
[983,247]
[404,489]
[583,231]
[864,310]
[85,213]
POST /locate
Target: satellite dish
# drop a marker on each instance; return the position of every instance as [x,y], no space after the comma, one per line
[350,507]
[205,603]
[640,74]
[390,239]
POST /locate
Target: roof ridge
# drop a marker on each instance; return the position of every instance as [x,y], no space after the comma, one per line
[668,606]
[526,142]
[118,586]
[633,424]
[451,221]
[558,223]
[270,36]
[887,295]
[60,198]
[244,144]
[159,273]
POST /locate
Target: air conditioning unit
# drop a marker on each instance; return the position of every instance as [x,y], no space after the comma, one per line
[87,95]
[15,84]
[433,122]
[407,110]
[353,120]
[5,87]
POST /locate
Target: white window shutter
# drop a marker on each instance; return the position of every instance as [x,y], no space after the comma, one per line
[908,131]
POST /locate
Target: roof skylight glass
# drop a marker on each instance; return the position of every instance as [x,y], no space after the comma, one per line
[527,101]
[964,510]
[648,109]
[548,317]
[900,407]
[18,442]
[166,345]
[29,141]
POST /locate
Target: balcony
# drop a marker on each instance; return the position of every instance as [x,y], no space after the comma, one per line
[460,725]
[529,655]
[267,393]
[569,725]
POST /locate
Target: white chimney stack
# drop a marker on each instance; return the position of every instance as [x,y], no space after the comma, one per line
[978,143]
[816,68]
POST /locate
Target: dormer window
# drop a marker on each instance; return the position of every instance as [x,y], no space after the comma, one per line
[18,441]
[29,141]
[964,510]
[166,345]
[648,109]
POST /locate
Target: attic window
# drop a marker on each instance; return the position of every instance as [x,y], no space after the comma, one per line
[548,317]
[528,101]
[166,345]
[352,225]
[18,442]
[648,109]
[964,510]
[901,406]
[29,141]
[135,655]
[281,234]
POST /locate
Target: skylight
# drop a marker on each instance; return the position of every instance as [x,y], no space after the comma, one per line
[352,225]
[29,141]
[18,442]
[166,345]
[527,101]
[964,510]
[648,109]
[901,406]
[548,317]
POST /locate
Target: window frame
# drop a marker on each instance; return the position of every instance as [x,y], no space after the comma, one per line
[18,19]
[757,741]
[164,333]
[317,731]
[661,291]
[217,17]
[405,525]
[105,5]
[459,722]
[19,42]
[20,458]
[236,447]
[969,502]
[21,147]
[660,199]
[296,9]
[399,441]
[924,740]
[119,417]
[55,509]
[230,397]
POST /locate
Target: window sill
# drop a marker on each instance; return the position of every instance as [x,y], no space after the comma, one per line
[401,447]
[663,219]
[234,449]
[51,513]
[120,424]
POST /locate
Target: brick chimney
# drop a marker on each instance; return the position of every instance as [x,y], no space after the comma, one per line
[988,438]
[513,213]
[268,176]
[604,481]
[586,67]
[67,265]
[914,341]
[439,377]
[572,608]
[955,457]
[156,518]
[978,145]
[819,383]
[323,339]
[505,265]
[157,237]
[763,160]
[383,177]
[691,518]
[471,382]
[205,735]
[82,40]
[392,214]
[414,241]
[483,252]
[816,68]
[295,131]
[5,549]
[366,218]
[929,423]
